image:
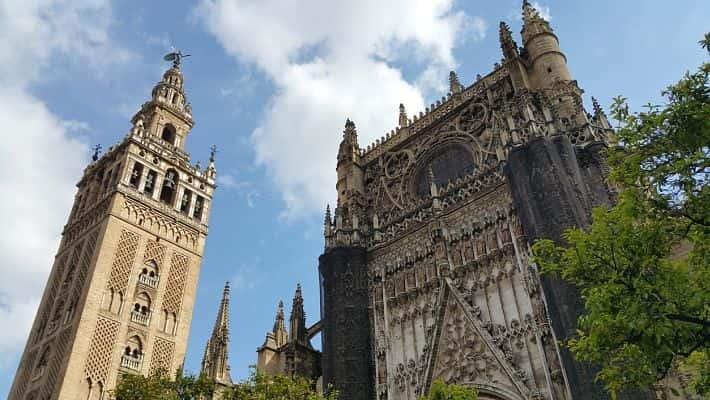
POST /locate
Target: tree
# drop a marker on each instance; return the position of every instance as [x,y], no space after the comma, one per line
[441,391]
[157,386]
[643,266]
[279,387]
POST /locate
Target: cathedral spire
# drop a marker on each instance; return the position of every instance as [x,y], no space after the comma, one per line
[215,363]
[298,332]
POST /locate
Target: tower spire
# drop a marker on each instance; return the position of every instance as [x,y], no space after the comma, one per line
[298,319]
[215,363]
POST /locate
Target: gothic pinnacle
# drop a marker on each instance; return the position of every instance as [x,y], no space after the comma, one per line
[97,151]
[327,219]
[298,318]
[454,84]
[597,107]
[403,121]
[280,311]
[507,43]
[279,320]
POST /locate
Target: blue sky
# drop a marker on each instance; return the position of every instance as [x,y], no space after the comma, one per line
[271,83]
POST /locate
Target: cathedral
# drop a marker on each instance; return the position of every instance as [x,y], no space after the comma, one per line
[426,272]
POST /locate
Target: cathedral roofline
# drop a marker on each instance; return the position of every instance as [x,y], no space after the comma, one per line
[431,115]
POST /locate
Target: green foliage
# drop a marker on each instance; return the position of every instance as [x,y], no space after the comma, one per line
[259,387]
[441,391]
[159,386]
[643,266]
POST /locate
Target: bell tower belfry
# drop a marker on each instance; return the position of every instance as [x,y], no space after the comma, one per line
[120,294]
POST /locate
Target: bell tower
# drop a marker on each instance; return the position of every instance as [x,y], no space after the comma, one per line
[120,294]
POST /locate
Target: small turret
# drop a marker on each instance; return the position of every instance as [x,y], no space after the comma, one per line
[548,63]
[350,174]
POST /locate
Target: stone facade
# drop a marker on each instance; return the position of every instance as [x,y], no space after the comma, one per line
[120,294]
[427,270]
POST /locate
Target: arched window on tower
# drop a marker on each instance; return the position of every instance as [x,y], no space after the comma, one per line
[168,134]
[199,205]
[150,182]
[149,274]
[185,201]
[141,309]
[136,174]
[167,193]
[132,354]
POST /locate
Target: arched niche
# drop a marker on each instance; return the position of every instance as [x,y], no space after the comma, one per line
[447,162]
[169,133]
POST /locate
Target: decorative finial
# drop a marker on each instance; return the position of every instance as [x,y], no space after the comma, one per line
[454,84]
[213,152]
[97,151]
[176,57]
[403,120]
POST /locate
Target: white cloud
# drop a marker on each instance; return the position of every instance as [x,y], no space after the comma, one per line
[328,63]
[543,10]
[244,188]
[40,161]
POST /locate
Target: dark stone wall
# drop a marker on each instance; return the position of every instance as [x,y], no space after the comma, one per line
[552,193]
[345,313]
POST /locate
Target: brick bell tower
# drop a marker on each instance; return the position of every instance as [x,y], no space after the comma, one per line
[120,294]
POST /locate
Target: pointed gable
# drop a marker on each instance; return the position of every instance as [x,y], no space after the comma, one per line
[464,353]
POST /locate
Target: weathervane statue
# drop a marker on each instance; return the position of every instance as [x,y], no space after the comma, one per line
[175,56]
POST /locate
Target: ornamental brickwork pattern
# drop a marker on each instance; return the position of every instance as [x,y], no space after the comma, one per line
[155,252]
[123,261]
[98,362]
[162,356]
[179,265]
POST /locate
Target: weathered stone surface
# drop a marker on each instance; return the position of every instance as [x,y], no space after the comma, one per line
[347,347]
